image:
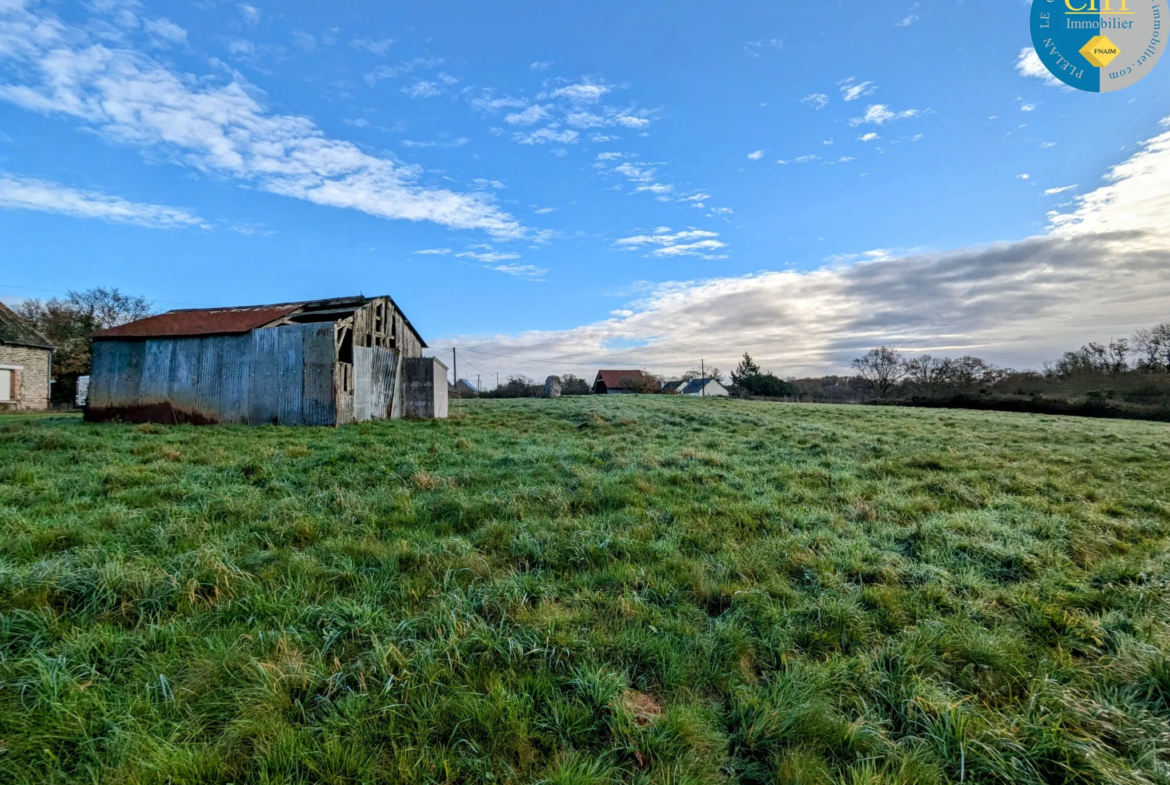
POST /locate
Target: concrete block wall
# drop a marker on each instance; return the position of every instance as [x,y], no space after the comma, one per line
[424,388]
[30,383]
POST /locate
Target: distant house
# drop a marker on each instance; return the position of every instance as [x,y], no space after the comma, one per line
[321,362]
[624,382]
[674,386]
[706,387]
[26,364]
[465,389]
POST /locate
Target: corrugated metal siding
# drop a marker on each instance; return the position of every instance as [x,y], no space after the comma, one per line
[375,379]
[272,375]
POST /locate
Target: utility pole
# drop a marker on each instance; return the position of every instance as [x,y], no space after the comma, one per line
[497,380]
[455,369]
[703,373]
[478,384]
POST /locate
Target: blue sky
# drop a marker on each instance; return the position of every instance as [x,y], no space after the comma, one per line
[612,183]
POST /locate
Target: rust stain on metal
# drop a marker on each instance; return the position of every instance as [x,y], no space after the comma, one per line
[206,321]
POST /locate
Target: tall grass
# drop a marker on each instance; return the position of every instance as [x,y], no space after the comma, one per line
[589,590]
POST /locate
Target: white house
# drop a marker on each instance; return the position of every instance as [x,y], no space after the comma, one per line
[706,387]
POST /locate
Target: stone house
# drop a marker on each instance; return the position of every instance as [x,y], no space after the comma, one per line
[26,365]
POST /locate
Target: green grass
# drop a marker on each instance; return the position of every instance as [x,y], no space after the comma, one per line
[589,590]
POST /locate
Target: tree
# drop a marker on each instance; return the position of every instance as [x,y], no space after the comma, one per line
[711,372]
[70,324]
[747,367]
[882,368]
[574,385]
[1153,348]
[929,373]
[749,378]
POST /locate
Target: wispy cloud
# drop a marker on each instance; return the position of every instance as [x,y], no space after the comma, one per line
[1060,190]
[816,100]
[869,137]
[23,193]
[164,31]
[540,65]
[663,243]
[529,271]
[531,115]
[1029,65]
[851,89]
[250,13]
[756,48]
[880,114]
[380,47]
[910,17]
[757,155]
[433,252]
[217,127]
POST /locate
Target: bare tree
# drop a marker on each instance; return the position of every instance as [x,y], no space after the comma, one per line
[1153,348]
[929,372]
[883,368]
[69,323]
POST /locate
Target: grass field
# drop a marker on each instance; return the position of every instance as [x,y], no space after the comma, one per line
[588,590]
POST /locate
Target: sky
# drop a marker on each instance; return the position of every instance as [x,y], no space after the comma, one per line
[555,187]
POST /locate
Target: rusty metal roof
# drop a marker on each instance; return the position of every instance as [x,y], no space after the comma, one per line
[202,321]
[614,378]
[240,319]
[16,331]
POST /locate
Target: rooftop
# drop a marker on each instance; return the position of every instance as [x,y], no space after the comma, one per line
[16,331]
[192,322]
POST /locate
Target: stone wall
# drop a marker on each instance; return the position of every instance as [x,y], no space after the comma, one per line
[30,384]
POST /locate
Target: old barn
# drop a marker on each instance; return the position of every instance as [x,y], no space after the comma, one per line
[324,362]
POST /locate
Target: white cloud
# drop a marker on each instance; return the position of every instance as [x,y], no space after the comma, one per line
[549,135]
[422,89]
[816,100]
[381,47]
[434,252]
[545,210]
[1099,270]
[216,127]
[804,159]
[165,31]
[1024,176]
[1047,145]
[603,138]
[489,256]
[22,193]
[880,114]
[693,242]
[250,13]
[845,159]
[303,41]
[533,114]
[757,155]
[1027,107]
[1029,65]
[609,156]
[869,137]
[529,271]
[852,90]
[459,142]
[540,65]
[394,71]
[908,20]
[1060,190]
[756,48]
[583,93]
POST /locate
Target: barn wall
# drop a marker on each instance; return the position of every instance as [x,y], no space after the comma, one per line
[274,375]
[375,383]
